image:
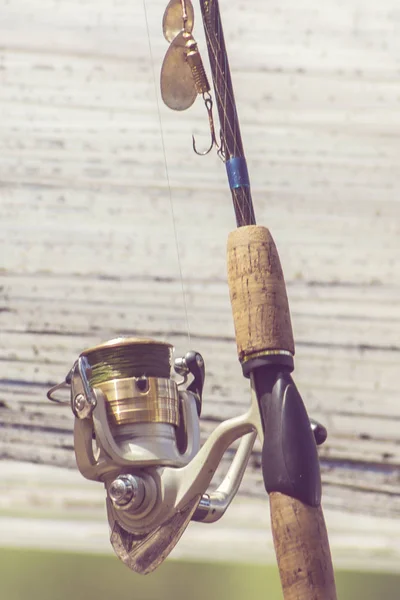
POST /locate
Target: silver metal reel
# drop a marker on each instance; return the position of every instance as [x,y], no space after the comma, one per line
[140,436]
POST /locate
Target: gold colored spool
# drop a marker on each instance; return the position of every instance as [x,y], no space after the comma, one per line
[134,375]
[127,403]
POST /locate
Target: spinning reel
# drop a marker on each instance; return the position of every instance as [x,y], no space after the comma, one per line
[137,431]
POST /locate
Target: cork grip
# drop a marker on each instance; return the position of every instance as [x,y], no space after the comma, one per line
[302,549]
[258,293]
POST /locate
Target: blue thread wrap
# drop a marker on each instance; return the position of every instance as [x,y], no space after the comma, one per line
[236,169]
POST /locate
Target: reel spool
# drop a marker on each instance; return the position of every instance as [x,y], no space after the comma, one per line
[137,431]
[140,417]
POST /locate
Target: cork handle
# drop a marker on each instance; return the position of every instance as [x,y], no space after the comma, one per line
[302,549]
[258,293]
[290,461]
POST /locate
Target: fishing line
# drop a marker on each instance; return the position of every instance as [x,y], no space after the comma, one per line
[167,172]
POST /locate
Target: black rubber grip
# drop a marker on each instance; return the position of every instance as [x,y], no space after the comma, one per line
[290,462]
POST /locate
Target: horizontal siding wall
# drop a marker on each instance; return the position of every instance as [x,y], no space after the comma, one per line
[101,192]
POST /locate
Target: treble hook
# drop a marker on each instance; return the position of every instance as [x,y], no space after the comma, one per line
[209,106]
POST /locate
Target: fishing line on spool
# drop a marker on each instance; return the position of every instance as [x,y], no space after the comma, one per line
[167,172]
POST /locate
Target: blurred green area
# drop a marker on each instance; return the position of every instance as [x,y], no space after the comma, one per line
[47,575]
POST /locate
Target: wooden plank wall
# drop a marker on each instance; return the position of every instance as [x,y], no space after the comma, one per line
[101,192]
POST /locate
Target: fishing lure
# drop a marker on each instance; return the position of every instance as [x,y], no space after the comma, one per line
[183,76]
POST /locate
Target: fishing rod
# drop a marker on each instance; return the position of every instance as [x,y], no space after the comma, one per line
[266,349]
[137,426]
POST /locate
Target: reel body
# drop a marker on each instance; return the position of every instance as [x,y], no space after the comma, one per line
[137,431]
